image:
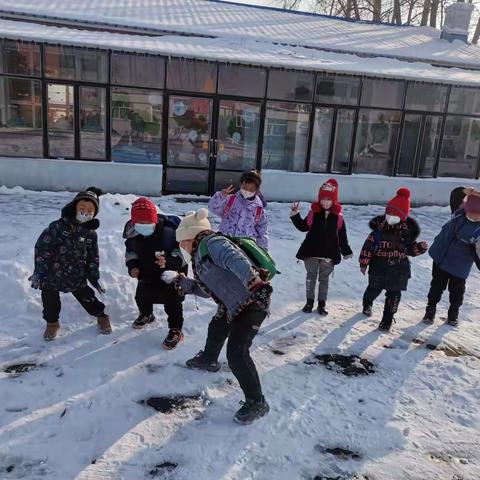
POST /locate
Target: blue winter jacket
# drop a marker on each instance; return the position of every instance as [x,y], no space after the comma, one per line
[454,248]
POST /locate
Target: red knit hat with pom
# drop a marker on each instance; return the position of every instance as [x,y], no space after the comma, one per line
[329,190]
[399,206]
[143,210]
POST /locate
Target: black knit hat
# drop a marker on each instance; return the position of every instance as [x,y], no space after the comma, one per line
[91,194]
[251,176]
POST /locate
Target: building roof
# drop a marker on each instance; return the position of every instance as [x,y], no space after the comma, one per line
[242,51]
[232,21]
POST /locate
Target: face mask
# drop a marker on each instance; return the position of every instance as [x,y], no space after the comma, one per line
[246,194]
[186,256]
[326,204]
[392,219]
[84,217]
[145,229]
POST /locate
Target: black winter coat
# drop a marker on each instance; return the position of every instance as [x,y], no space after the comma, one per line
[323,239]
[386,251]
[140,250]
[66,253]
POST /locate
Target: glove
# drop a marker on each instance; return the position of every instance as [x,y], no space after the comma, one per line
[348,257]
[96,285]
[36,280]
[169,276]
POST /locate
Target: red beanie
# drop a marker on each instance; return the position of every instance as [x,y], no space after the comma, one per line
[399,206]
[329,190]
[143,210]
[472,203]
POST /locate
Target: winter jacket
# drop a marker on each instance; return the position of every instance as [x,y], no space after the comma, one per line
[66,253]
[454,249]
[324,239]
[225,272]
[241,220]
[140,250]
[386,251]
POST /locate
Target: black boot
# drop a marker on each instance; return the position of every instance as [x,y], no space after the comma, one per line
[308,307]
[321,309]
[452,317]
[367,309]
[386,323]
[199,362]
[429,316]
[251,410]
[143,319]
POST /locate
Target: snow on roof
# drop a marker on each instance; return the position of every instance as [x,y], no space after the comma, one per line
[216,18]
[243,51]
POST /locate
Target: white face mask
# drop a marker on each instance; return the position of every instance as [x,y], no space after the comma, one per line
[145,229]
[84,217]
[246,194]
[392,219]
[326,204]
[186,256]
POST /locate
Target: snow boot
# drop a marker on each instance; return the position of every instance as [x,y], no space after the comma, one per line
[367,310]
[429,316]
[51,331]
[103,324]
[172,339]
[452,317]
[387,320]
[143,320]
[308,307]
[321,308]
[251,410]
[199,362]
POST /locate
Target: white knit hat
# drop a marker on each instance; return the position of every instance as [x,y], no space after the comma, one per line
[192,224]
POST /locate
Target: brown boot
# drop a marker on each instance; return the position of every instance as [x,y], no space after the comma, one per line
[51,331]
[103,323]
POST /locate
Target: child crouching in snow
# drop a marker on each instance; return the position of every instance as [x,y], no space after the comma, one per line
[66,256]
[385,253]
[325,243]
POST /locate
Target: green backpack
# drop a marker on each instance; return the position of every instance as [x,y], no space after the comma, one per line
[257,255]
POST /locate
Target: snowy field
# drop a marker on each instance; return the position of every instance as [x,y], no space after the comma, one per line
[78,414]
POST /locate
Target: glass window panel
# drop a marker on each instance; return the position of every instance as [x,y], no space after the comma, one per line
[191,76]
[136,125]
[428,153]
[408,149]
[225,178]
[189,131]
[343,140]
[61,121]
[286,136]
[426,97]
[382,93]
[76,64]
[337,89]
[375,143]
[238,125]
[187,180]
[460,148]
[322,130]
[242,81]
[286,85]
[92,122]
[19,58]
[138,70]
[20,118]
[464,100]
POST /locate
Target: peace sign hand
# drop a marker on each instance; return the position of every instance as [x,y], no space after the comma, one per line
[295,208]
[228,190]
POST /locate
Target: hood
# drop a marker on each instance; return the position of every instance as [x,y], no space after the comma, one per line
[379,223]
[69,213]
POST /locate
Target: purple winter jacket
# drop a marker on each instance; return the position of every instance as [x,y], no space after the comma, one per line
[240,221]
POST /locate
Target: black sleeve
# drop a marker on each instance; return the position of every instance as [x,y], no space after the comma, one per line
[300,223]
[343,241]
[131,257]
[174,261]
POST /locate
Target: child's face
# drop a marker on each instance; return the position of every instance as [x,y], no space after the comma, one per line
[85,207]
[249,187]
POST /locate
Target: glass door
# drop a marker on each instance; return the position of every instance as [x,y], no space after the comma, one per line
[93,123]
[61,120]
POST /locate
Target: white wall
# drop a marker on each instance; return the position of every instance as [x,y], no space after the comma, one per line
[74,175]
[359,189]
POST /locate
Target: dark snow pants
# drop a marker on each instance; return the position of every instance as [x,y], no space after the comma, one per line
[149,294]
[456,286]
[240,332]
[85,296]
[392,300]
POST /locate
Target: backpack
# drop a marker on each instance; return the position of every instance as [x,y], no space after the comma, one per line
[231,202]
[258,256]
[311,213]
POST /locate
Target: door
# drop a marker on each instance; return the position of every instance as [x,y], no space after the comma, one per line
[61,120]
[210,142]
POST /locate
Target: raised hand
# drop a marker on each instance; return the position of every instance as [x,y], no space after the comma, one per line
[135,272]
[295,208]
[228,190]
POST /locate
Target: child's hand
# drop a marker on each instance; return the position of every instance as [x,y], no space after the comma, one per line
[161,261]
[135,272]
[295,208]
[35,281]
[228,190]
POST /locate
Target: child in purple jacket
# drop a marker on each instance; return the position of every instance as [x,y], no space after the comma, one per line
[242,213]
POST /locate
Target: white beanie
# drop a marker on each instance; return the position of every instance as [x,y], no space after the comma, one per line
[192,224]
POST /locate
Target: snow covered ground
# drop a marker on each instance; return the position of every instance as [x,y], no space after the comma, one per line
[78,416]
